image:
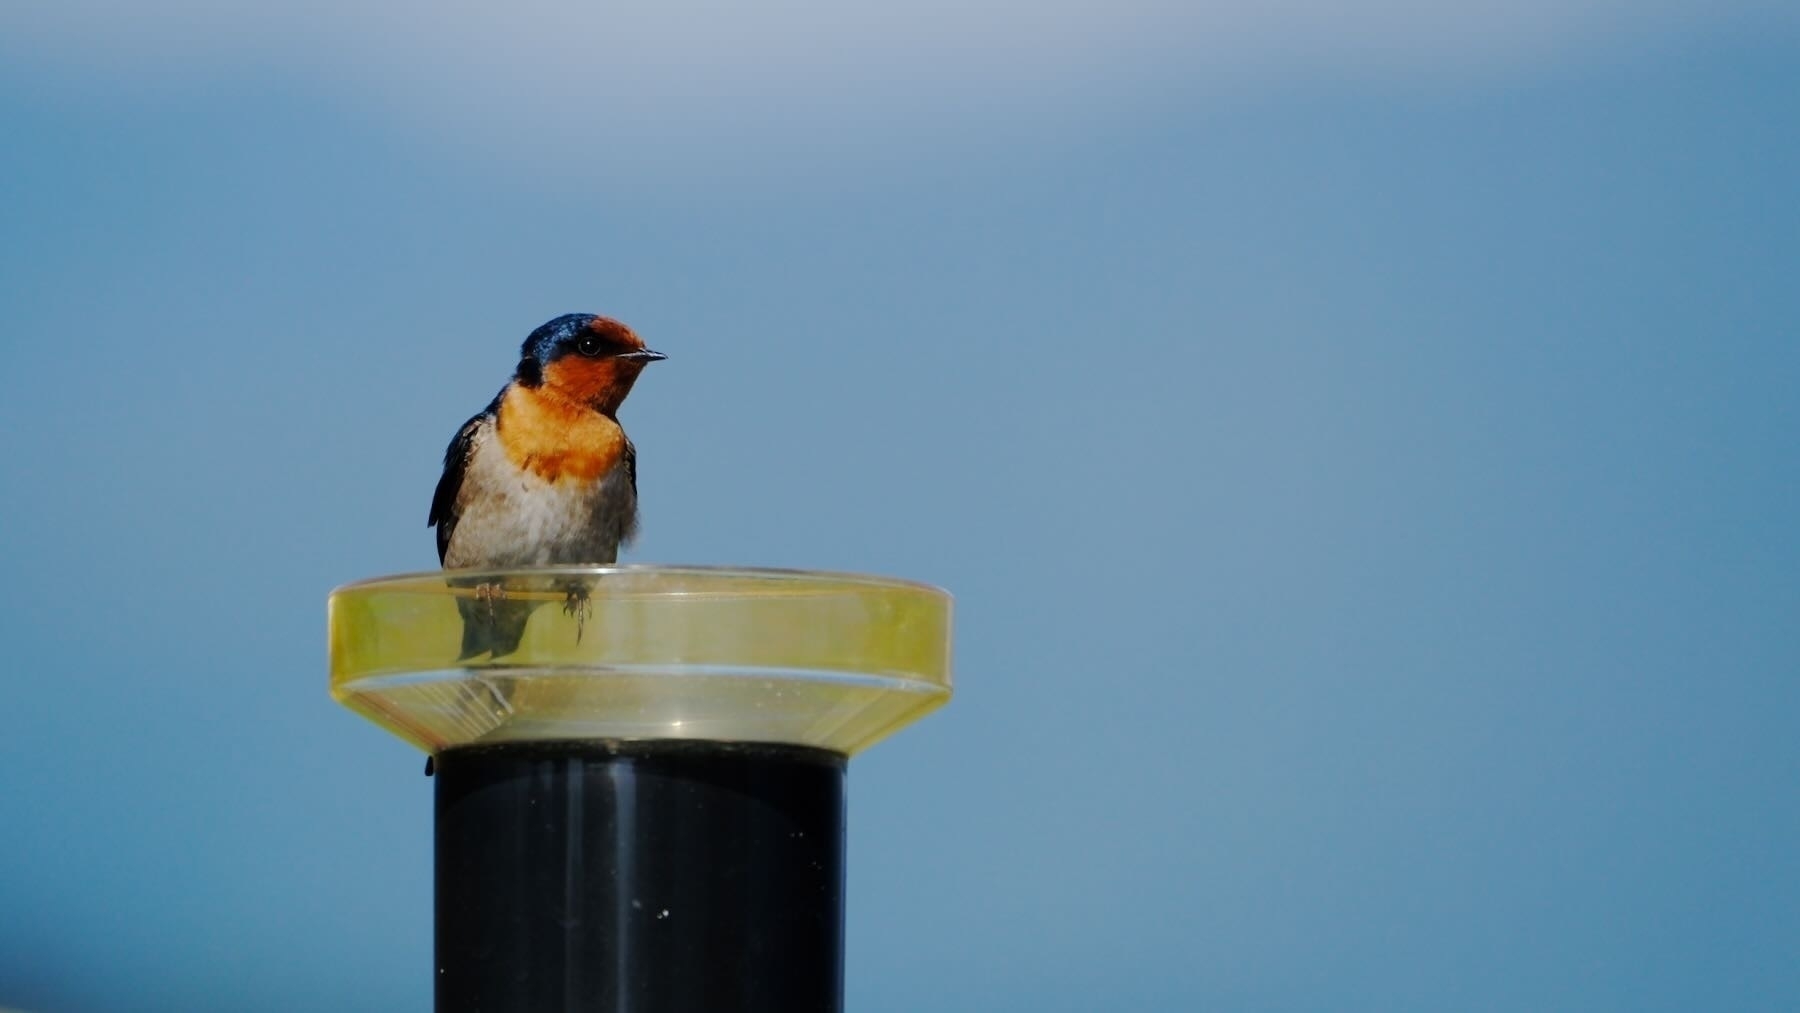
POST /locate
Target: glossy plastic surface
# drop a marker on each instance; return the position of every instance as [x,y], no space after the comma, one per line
[656,877]
[831,661]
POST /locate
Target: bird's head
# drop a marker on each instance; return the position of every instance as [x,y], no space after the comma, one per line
[583,358]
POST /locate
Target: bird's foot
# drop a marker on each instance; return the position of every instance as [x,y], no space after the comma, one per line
[578,607]
[488,594]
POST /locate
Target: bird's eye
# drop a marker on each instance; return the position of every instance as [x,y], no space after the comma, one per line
[589,347]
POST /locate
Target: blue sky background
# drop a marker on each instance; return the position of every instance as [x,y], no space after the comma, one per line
[1364,449]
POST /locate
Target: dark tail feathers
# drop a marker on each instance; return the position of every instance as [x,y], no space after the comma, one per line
[493,627]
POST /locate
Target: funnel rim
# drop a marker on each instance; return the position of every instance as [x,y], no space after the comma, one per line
[446,658]
[770,573]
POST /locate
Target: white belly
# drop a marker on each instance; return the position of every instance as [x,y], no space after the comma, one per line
[512,517]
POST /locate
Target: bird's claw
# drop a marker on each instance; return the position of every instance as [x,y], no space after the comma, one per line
[488,594]
[578,607]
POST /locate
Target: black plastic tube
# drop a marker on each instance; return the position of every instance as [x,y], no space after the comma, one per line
[640,877]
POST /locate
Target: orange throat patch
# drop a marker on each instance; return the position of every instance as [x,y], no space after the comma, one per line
[556,439]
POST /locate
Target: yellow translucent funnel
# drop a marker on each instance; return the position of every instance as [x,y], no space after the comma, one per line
[833,661]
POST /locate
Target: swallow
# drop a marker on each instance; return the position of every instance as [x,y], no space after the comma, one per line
[544,475]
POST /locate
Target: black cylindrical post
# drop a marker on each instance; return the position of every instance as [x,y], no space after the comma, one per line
[652,877]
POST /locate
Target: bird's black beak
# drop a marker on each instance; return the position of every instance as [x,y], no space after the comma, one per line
[642,355]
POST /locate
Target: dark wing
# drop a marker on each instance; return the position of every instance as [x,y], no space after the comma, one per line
[626,510]
[456,462]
